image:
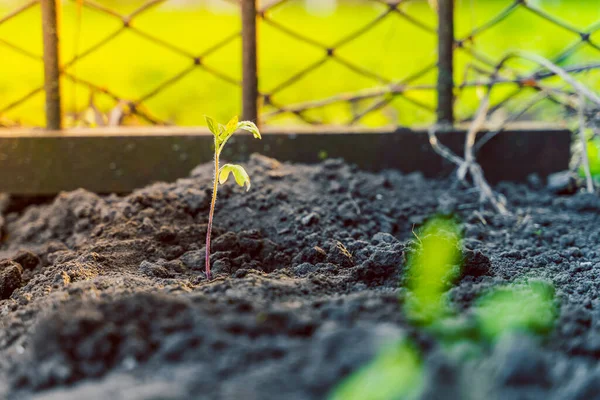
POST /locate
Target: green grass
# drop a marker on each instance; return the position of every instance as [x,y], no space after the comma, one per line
[131,66]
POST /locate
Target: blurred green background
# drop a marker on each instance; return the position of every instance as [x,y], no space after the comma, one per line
[131,66]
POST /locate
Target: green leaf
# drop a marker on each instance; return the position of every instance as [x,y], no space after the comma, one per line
[212,125]
[239,173]
[232,126]
[526,307]
[225,132]
[432,267]
[250,127]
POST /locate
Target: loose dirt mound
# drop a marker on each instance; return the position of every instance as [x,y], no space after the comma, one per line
[105,297]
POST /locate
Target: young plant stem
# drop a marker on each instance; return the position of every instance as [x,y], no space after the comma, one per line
[212,213]
[222,133]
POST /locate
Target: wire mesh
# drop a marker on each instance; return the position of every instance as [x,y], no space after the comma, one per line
[366,62]
[477,69]
[195,60]
[379,89]
[527,86]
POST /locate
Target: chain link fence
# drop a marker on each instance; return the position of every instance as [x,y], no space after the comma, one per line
[359,103]
[332,68]
[575,47]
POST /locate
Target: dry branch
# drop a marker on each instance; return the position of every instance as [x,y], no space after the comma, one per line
[581,90]
[584,155]
[469,166]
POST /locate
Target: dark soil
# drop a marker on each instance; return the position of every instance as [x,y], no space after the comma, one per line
[105,297]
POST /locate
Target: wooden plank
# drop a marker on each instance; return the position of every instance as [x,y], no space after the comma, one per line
[120,160]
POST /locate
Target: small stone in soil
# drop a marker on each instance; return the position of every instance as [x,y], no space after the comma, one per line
[147,225]
[311,255]
[194,259]
[564,182]
[310,219]
[385,238]
[221,266]
[264,161]
[196,200]
[10,278]
[476,264]
[173,265]
[304,269]
[27,259]
[155,270]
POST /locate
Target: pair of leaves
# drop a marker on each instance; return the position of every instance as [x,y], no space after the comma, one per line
[239,173]
[222,132]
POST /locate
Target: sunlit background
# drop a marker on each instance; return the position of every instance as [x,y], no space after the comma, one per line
[131,64]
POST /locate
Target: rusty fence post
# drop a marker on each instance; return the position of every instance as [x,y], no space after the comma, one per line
[50,28]
[249,62]
[445,82]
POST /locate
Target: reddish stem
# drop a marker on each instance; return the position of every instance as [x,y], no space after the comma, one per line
[211,215]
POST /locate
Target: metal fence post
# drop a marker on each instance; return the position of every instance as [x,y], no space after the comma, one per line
[50,28]
[249,62]
[445,82]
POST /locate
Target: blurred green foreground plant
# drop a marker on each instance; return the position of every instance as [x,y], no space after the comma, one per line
[221,134]
[397,372]
[525,308]
[432,268]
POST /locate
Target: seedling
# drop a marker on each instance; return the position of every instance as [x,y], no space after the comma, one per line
[222,133]
[396,373]
[432,267]
[525,308]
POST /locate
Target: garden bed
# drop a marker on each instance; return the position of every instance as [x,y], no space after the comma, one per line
[107,296]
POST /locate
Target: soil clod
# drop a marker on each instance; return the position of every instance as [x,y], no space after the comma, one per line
[10,278]
[107,294]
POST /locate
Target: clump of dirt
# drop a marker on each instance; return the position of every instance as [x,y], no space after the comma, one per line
[106,294]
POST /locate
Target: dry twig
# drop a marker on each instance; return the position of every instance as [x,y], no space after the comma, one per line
[580,89]
[469,166]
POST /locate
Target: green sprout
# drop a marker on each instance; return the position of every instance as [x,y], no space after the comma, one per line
[432,268]
[593,151]
[526,308]
[395,373]
[222,133]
